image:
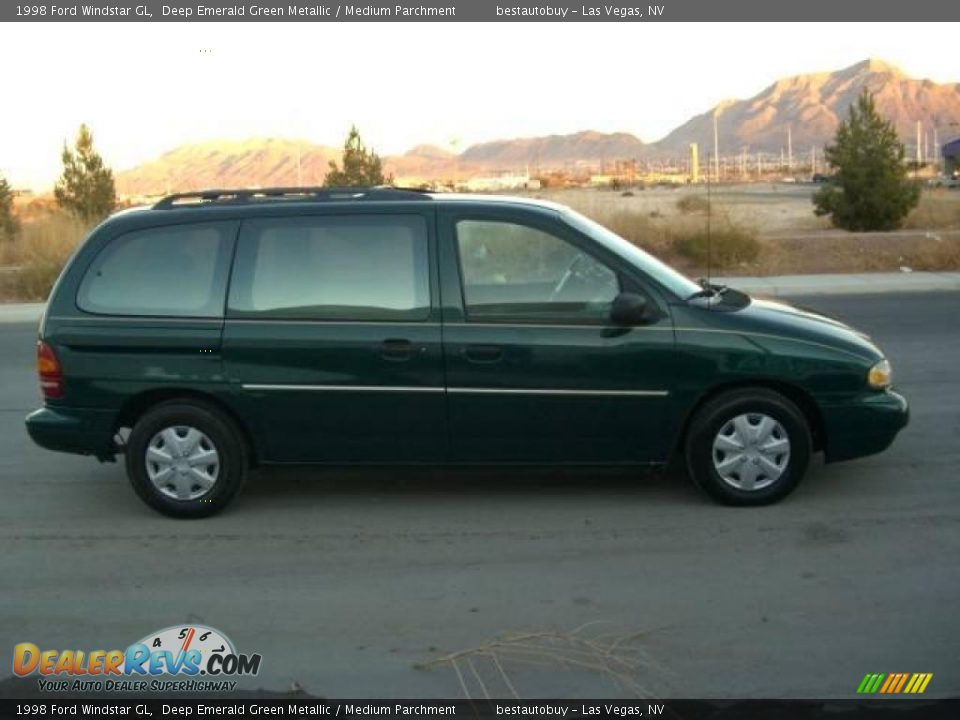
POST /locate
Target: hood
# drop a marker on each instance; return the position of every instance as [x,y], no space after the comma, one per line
[780,318]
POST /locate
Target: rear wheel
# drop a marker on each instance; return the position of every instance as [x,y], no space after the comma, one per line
[186,459]
[748,447]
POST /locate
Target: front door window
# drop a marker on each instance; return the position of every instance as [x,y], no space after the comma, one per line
[518,273]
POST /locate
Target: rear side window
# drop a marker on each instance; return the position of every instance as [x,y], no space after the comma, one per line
[357,267]
[178,270]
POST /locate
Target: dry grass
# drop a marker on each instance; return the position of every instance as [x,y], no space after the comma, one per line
[32,262]
[489,670]
[937,210]
[682,241]
[850,253]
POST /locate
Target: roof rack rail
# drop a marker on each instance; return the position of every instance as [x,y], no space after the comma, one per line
[311,194]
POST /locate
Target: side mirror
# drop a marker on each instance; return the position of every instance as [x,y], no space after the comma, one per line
[631,309]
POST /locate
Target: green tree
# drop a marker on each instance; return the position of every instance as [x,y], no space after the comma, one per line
[86,186]
[871,188]
[361,167]
[8,223]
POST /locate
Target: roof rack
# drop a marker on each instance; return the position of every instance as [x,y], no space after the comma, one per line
[201,198]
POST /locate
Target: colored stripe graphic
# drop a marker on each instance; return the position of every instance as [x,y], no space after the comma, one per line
[894,683]
[870,683]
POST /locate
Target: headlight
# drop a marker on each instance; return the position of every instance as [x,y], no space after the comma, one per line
[880,375]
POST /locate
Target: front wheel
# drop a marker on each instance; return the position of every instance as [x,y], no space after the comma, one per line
[748,447]
[186,459]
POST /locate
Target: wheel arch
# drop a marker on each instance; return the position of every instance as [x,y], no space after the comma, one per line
[136,405]
[796,394]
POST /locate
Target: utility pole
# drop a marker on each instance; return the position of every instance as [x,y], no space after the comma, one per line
[694,163]
[789,148]
[813,160]
[716,147]
[299,174]
[919,146]
[936,149]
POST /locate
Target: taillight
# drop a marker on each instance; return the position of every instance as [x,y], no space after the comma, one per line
[51,374]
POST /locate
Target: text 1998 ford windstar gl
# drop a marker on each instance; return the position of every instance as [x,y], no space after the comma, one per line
[220,330]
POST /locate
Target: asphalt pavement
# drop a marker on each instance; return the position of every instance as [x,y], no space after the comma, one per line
[550,583]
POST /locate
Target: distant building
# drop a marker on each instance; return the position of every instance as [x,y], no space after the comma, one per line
[502,182]
[602,180]
[951,157]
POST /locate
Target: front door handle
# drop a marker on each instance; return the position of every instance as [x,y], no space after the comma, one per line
[396,349]
[483,353]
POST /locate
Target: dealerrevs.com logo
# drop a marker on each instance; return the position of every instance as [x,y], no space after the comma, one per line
[188,658]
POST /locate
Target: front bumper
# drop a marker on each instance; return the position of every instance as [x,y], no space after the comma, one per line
[864,426]
[74,430]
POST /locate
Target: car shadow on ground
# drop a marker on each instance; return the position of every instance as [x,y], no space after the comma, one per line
[305,484]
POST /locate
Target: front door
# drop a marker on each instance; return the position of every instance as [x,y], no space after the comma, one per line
[331,338]
[535,369]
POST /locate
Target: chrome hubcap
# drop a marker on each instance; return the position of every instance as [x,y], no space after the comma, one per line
[751,451]
[182,462]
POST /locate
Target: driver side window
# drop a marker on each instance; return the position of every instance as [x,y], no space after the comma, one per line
[517,273]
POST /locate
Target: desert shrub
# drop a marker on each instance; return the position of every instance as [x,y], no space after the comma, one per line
[8,221]
[729,246]
[689,204]
[636,227]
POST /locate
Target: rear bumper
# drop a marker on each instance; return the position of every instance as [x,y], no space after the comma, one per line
[865,426]
[74,430]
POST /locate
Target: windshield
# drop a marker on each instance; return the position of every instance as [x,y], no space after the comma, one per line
[678,284]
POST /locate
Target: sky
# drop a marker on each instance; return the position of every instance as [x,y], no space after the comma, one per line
[147,88]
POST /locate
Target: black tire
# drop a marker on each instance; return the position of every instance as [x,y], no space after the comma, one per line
[715,415]
[221,432]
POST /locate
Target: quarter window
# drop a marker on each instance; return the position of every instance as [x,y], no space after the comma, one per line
[363,267]
[517,273]
[177,270]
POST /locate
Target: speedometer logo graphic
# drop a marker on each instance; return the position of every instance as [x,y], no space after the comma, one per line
[182,639]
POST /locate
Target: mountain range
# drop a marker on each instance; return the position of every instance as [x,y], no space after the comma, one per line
[809,107]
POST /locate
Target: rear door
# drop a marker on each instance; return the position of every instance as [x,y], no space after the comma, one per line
[332,336]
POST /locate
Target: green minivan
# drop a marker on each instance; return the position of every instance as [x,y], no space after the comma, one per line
[221,330]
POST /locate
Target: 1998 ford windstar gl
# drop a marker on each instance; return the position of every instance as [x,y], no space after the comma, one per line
[219,330]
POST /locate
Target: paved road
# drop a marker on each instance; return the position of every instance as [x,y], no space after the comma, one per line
[347,581]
